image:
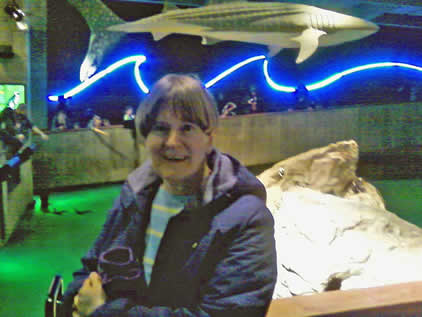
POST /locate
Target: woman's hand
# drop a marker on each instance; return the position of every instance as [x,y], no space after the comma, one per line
[90,296]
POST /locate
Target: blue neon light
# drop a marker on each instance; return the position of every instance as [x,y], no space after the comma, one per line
[139,59]
[273,84]
[232,69]
[337,76]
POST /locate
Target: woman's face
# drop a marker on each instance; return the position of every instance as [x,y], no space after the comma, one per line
[178,148]
[61,117]
[97,122]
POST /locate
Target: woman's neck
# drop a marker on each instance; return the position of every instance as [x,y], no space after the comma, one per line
[191,186]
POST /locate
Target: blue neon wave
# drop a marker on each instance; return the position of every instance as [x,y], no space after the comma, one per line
[137,59]
[140,59]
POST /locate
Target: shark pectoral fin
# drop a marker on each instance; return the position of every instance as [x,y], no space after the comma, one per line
[273,50]
[159,35]
[308,42]
[206,40]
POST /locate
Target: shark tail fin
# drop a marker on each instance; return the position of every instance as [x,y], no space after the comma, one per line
[97,15]
[308,43]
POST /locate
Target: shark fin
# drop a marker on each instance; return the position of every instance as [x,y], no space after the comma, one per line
[92,11]
[308,42]
[168,6]
[206,40]
[159,35]
[273,50]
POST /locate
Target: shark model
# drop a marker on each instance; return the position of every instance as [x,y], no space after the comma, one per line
[274,24]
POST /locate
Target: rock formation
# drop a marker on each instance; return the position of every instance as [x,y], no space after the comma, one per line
[331,227]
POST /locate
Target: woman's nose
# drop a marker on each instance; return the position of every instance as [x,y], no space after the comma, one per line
[173,138]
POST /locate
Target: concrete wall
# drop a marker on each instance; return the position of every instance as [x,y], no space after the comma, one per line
[14,200]
[271,137]
[14,197]
[83,157]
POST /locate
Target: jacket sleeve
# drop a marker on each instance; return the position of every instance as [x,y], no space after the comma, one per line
[241,285]
[90,260]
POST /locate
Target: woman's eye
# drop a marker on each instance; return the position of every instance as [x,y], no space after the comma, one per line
[159,128]
[187,128]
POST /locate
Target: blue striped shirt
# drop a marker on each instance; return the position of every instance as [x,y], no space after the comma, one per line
[164,206]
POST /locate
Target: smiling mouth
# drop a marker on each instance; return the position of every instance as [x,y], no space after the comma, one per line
[174,159]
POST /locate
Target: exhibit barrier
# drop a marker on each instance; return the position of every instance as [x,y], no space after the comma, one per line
[16,195]
[83,157]
[396,300]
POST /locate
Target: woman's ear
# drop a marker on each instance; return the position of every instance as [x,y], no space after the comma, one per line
[210,136]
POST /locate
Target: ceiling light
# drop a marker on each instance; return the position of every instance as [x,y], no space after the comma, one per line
[17,14]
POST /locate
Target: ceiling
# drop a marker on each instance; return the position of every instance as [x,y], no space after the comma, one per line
[396,13]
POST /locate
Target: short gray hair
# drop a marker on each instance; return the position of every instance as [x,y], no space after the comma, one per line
[186,96]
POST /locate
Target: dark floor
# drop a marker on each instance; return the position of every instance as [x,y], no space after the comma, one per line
[50,243]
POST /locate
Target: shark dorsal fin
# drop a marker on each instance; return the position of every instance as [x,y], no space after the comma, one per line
[308,43]
[168,6]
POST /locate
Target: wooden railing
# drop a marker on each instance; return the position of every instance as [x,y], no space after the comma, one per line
[398,300]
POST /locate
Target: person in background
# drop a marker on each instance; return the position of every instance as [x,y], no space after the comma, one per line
[76,125]
[128,114]
[129,120]
[253,101]
[60,121]
[190,234]
[15,127]
[97,122]
[228,110]
[227,107]
[23,125]
[303,101]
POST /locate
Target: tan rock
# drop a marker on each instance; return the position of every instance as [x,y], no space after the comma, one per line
[330,169]
[332,230]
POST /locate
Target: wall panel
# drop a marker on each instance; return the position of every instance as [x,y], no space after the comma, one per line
[387,136]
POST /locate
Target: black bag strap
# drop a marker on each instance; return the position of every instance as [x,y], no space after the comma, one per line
[54,301]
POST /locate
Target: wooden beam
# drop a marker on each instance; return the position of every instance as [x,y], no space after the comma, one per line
[403,298]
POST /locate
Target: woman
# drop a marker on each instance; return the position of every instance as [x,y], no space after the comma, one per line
[190,234]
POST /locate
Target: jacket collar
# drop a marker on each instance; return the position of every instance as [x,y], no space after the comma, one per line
[227,176]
